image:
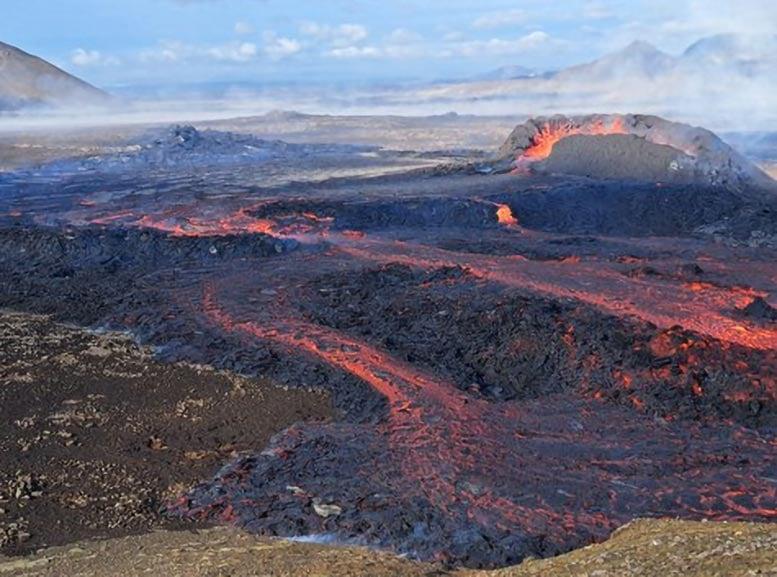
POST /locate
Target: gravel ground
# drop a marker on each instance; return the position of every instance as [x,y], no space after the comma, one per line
[96,435]
[642,549]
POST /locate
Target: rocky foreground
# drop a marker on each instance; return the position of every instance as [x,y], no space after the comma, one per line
[96,435]
[643,548]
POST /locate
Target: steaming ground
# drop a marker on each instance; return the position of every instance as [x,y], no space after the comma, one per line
[447,134]
[544,322]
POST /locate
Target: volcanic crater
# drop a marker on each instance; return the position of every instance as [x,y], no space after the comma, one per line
[526,354]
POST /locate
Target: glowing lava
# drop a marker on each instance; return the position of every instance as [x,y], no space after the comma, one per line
[446,476]
[504,215]
[552,132]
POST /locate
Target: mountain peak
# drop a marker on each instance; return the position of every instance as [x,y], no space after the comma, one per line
[27,80]
[638,59]
[733,46]
[641,46]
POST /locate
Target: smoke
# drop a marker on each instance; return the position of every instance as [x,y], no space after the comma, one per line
[725,82]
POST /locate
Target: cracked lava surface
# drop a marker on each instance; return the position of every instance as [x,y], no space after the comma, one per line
[428,466]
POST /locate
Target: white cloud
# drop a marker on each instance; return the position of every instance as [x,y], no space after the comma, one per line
[502,19]
[81,57]
[399,44]
[342,36]
[173,51]
[244,28]
[350,52]
[165,51]
[234,52]
[278,47]
[499,46]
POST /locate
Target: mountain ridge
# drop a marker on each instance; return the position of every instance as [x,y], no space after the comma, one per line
[29,80]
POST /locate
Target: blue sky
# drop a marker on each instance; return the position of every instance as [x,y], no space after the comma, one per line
[121,42]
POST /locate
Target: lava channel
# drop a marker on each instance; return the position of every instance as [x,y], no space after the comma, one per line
[449,477]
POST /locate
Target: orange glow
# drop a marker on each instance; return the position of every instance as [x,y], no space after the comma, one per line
[550,134]
[438,436]
[657,301]
[661,345]
[505,215]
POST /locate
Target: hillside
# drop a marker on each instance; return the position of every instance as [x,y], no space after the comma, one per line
[27,80]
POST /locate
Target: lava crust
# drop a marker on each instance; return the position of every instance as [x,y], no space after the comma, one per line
[522,363]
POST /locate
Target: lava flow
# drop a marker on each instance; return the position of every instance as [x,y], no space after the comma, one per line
[455,478]
[505,391]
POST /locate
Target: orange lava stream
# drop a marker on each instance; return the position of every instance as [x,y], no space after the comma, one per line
[430,422]
[662,303]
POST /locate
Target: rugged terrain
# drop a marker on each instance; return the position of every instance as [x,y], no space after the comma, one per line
[524,357]
[97,435]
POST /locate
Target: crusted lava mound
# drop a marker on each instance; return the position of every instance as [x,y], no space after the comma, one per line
[186,147]
[631,147]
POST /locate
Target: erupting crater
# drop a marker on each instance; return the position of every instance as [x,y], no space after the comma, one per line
[629,147]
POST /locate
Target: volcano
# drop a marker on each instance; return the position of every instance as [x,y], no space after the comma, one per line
[631,147]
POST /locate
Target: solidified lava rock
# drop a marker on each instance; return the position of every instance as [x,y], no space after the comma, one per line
[432,458]
[505,347]
[760,310]
[380,214]
[755,226]
[186,147]
[84,246]
[81,275]
[618,208]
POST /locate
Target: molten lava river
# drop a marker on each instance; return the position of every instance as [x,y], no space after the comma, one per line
[494,405]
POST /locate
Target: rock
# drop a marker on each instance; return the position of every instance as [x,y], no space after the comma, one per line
[691,269]
[760,310]
[325,510]
[156,444]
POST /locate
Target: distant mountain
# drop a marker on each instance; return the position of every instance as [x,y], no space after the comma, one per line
[727,79]
[639,60]
[751,56]
[508,73]
[26,80]
[731,48]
